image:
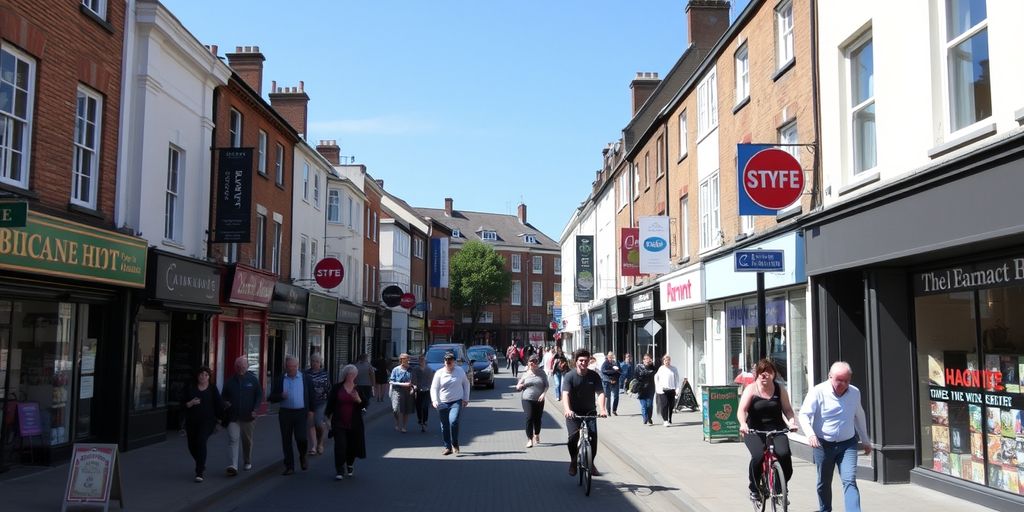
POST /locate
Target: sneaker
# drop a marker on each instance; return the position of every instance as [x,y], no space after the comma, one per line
[232,471]
[446,451]
[339,476]
[351,470]
[529,444]
[423,427]
[247,467]
[572,468]
[664,423]
[455,449]
[755,497]
[614,413]
[199,478]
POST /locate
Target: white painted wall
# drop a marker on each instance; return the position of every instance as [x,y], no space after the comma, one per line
[344,237]
[308,217]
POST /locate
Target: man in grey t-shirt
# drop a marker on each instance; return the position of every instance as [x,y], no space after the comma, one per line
[579,388]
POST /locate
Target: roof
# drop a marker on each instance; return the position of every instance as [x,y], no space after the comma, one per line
[510,232]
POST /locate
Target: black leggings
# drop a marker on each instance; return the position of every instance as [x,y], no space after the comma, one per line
[755,444]
[666,401]
[344,452]
[422,406]
[197,437]
[534,412]
[515,367]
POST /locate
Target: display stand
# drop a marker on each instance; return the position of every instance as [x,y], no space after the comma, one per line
[94,478]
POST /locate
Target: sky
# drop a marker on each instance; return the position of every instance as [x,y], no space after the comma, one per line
[489,102]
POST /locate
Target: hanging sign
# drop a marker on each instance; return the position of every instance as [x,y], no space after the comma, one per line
[234,196]
[584,269]
[328,273]
[392,296]
[770,179]
[654,249]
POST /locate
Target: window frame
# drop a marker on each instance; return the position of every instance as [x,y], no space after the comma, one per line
[516,262]
[316,190]
[97,7]
[948,46]
[172,219]
[710,211]
[303,252]
[742,73]
[261,239]
[537,294]
[684,227]
[683,132]
[517,293]
[788,142]
[854,109]
[79,146]
[28,126]
[275,253]
[279,165]
[558,265]
[636,180]
[305,181]
[785,51]
[261,149]
[707,104]
[235,128]
[489,235]
[334,204]
[537,264]
[314,254]
[659,169]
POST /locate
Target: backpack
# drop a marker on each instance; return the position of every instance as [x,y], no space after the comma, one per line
[633,387]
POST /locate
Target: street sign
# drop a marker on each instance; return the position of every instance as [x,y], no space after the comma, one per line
[759,261]
[392,296]
[328,273]
[773,179]
[13,215]
[408,301]
[652,328]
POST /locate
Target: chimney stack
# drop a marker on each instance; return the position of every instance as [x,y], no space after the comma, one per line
[330,150]
[293,104]
[706,21]
[448,207]
[522,213]
[247,61]
[643,85]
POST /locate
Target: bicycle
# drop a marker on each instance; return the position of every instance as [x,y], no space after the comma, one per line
[772,484]
[584,459]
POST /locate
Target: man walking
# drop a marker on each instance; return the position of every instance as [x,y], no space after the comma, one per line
[242,396]
[834,422]
[294,390]
[364,379]
[579,388]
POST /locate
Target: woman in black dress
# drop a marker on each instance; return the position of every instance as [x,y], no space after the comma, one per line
[202,407]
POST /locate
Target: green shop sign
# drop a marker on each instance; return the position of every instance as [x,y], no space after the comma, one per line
[324,309]
[12,215]
[57,247]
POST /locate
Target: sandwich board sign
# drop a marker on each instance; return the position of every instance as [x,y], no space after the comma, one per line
[94,478]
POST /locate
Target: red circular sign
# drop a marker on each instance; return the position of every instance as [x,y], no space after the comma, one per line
[773,179]
[328,273]
[408,301]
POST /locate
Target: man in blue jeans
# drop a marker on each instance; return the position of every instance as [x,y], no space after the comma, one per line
[833,420]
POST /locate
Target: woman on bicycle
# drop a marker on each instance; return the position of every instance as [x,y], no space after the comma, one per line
[765,406]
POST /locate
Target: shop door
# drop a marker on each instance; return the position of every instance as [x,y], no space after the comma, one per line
[232,349]
[8,398]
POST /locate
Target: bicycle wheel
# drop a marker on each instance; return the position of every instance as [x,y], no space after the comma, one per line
[581,456]
[588,464]
[779,492]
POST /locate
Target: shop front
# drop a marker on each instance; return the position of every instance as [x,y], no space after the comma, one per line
[347,339]
[599,337]
[240,329]
[619,327]
[644,309]
[285,336]
[66,295]
[172,340]
[321,314]
[682,299]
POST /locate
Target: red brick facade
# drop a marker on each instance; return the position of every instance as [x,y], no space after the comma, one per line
[371,242]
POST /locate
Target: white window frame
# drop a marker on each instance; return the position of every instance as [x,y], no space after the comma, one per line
[334,206]
[788,134]
[275,253]
[517,263]
[710,209]
[517,293]
[558,265]
[98,7]
[235,128]
[261,149]
[261,239]
[742,74]
[636,180]
[747,224]
[857,167]
[375,227]
[489,235]
[949,45]
[279,166]
[707,104]
[456,233]
[86,174]
[172,197]
[314,254]
[305,181]
[303,252]
[7,150]
[418,248]
[417,291]
[683,149]
[784,51]
[529,239]
[684,227]
[316,190]
[647,170]
[623,190]
[659,169]
[537,293]
[538,264]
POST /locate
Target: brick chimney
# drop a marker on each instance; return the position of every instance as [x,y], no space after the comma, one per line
[447,207]
[522,213]
[247,61]
[643,85]
[706,21]
[292,103]
[330,150]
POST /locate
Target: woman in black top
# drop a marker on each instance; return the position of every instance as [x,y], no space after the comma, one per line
[645,388]
[202,407]
[765,406]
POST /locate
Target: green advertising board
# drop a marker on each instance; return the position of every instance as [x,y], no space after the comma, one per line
[720,404]
[57,247]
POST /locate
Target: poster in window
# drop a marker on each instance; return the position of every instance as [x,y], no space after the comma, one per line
[966,466]
[1008,366]
[940,413]
[975,413]
[959,428]
[977,446]
[995,450]
[85,388]
[940,438]
[992,421]
[1006,422]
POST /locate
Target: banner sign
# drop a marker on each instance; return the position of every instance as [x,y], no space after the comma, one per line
[439,262]
[13,215]
[584,269]
[769,179]
[322,308]
[629,252]
[289,300]
[654,250]
[234,196]
[57,247]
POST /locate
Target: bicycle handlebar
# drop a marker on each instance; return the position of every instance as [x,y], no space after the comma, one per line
[770,432]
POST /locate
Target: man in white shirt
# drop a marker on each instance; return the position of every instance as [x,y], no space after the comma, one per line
[834,422]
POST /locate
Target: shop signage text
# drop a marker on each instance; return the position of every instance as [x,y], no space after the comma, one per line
[681,291]
[185,281]
[439,262]
[642,305]
[975,397]
[759,261]
[289,300]
[770,179]
[251,288]
[1007,272]
[324,309]
[629,252]
[234,195]
[13,215]
[654,250]
[328,273]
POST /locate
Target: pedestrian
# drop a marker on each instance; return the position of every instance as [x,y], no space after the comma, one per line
[294,391]
[580,386]
[548,362]
[508,354]
[833,419]
[534,385]
[625,372]
[202,407]
[401,393]
[514,354]
[380,379]
[242,396]
[321,385]
[765,406]
[666,386]
[344,409]
[610,375]
[365,379]
[645,388]
[422,377]
[559,367]
[449,393]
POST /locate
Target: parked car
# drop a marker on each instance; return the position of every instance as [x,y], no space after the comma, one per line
[492,354]
[435,358]
[483,369]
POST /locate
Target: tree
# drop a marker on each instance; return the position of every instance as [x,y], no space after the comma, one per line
[478,278]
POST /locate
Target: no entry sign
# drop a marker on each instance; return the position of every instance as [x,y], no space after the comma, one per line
[407,301]
[328,273]
[770,179]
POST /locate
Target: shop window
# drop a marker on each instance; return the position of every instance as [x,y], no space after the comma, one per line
[315,335]
[253,344]
[744,352]
[150,382]
[796,331]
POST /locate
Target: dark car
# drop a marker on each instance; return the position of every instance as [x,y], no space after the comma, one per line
[435,358]
[492,354]
[483,370]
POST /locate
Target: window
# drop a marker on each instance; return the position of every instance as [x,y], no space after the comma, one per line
[367,222]
[517,293]
[150,386]
[305,181]
[535,319]
[967,59]
[261,238]
[375,227]
[861,60]
[350,208]
[783,34]
[517,263]
[537,297]
[17,81]
[486,317]
[417,290]
[657,158]
[538,264]
[261,157]
[279,166]
[709,212]
[235,129]
[489,235]
[418,248]
[334,206]
[682,134]
[747,224]
[303,252]
[707,104]
[85,168]
[172,209]
[314,255]
[636,181]
[788,135]
[647,170]
[98,7]
[623,190]
[742,74]
[275,251]
[515,318]
[456,233]
[558,265]
[684,227]
[529,239]
[316,190]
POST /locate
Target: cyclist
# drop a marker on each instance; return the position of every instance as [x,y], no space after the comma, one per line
[765,406]
[579,387]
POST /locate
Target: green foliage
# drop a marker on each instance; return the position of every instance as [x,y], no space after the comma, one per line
[478,278]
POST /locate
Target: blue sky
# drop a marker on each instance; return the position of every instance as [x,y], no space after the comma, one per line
[490,102]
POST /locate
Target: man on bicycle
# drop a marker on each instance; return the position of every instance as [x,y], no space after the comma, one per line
[579,388]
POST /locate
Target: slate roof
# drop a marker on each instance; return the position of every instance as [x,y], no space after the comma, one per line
[510,232]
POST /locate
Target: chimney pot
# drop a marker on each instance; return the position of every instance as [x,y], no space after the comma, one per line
[380,183]
[448,206]
[330,150]
[238,49]
[643,85]
[247,62]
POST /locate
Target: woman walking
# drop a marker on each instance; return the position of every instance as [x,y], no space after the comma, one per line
[533,384]
[513,358]
[645,388]
[202,406]
[380,379]
[765,405]
[449,392]
[344,408]
[666,385]
[321,385]
[559,367]
[401,392]
[422,377]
